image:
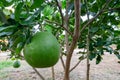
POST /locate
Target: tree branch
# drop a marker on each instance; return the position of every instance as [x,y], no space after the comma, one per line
[112,9]
[59,25]
[99,13]
[88,44]
[38,74]
[60,9]
[77,64]
[62,61]
[62,24]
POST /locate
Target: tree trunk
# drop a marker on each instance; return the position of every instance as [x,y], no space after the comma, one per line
[75,38]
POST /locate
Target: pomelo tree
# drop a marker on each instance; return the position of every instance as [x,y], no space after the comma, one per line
[92,25]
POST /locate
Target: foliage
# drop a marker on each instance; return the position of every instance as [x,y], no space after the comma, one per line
[25,15]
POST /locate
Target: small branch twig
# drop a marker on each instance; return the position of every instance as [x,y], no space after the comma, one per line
[88,44]
[60,9]
[38,74]
[88,52]
[112,9]
[67,30]
[62,61]
[77,64]
[53,22]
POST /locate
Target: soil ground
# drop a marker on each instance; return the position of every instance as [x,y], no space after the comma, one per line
[108,69]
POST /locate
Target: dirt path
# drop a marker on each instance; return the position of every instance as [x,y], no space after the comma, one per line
[108,69]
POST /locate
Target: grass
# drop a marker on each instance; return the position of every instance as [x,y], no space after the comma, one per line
[5,64]
[3,75]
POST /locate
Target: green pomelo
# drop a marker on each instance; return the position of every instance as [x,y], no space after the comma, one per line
[16,64]
[43,51]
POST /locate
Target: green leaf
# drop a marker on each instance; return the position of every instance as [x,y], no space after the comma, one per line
[81,57]
[81,45]
[7,27]
[108,49]
[5,34]
[30,19]
[48,11]
[108,42]
[17,43]
[83,9]
[71,6]
[94,7]
[118,47]
[18,11]
[48,28]
[94,29]
[91,47]
[98,59]
[19,48]
[63,4]
[3,46]
[116,33]
[90,1]
[6,12]
[92,55]
[56,17]
[7,30]
[37,3]
[99,42]
[7,3]
[117,54]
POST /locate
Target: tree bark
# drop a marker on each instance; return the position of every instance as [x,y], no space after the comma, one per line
[66,23]
[75,38]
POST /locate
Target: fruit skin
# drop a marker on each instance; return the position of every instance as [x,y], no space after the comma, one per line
[43,51]
[16,64]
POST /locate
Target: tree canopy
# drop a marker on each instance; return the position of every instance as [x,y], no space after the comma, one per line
[20,19]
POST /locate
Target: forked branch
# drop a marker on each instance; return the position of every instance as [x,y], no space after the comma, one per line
[77,63]
[63,18]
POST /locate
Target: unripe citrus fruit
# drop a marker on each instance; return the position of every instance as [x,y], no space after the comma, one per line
[43,51]
[16,64]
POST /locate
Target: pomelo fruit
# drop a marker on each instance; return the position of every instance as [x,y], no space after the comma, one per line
[16,64]
[43,50]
